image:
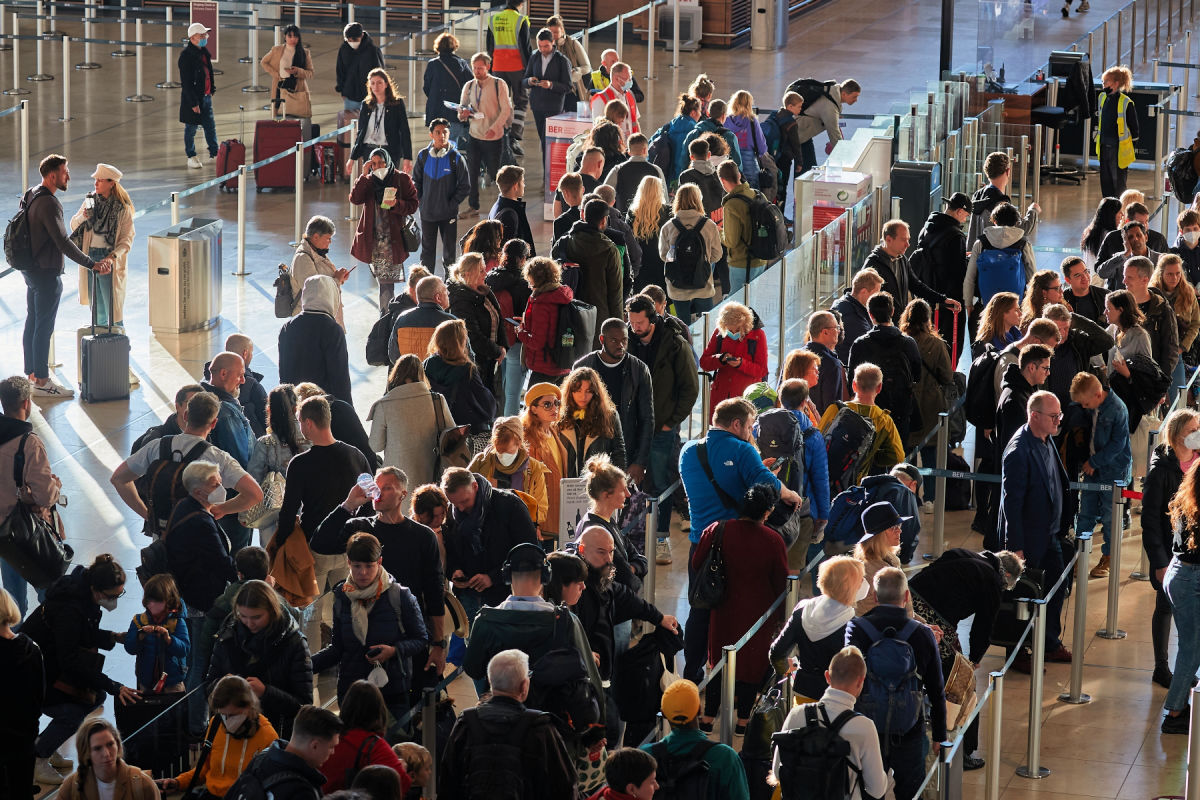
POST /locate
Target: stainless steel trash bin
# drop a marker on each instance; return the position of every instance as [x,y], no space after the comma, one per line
[768,24]
[185,276]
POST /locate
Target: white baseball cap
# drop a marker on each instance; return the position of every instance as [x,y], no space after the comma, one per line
[195,28]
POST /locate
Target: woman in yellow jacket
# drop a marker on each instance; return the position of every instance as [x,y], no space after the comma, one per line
[1116,130]
[507,464]
[290,66]
[238,731]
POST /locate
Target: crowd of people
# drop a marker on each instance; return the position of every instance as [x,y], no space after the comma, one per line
[440,533]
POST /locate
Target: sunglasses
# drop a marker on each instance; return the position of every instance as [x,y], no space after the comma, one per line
[548,404]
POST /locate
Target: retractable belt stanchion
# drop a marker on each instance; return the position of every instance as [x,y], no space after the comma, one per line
[728,686]
[1083,546]
[41,74]
[243,183]
[169,81]
[138,95]
[89,15]
[17,88]
[253,43]
[1033,755]
[298,209]
[66,80]
[1110,630]
[992,776]
[123,53]
[4,45]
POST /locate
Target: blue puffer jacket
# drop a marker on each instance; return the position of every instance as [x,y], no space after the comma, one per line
[1112,457]
[405,632]
[677,131]
[816,467]
[149,649]
[736,466]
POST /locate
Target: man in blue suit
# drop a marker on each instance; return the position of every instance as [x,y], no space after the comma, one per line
[1033,483]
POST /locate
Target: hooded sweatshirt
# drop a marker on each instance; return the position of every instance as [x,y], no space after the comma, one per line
[703,174]
[999,237]
[983,202]
[21,674]
[817,629]
[229,757]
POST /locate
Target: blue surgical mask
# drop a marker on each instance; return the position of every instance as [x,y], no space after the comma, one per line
[203,42]
[734,336]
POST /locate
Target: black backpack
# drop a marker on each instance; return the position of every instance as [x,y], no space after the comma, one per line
[848,440]
[690,269]
[162,485]
[661,151]
[814,761]
[573,334]
[18,239]
[768,228]
[493,764]
[560,685]
[980,405]
[252,786]
[812,90]
[896,391]
[682,776]
[379,338]
[364,750]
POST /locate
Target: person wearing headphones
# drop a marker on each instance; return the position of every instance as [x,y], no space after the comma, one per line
[528,622]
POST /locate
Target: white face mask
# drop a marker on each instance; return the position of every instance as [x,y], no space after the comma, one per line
[864,589]
[108,603]
[506,459]
[354,45]
[1191,237]
[380,173]
[1192,440]
[234,722]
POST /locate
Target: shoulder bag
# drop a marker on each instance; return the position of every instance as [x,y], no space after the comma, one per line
[30,543]
[707,589]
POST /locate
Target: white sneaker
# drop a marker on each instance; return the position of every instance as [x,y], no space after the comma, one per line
[58,762]
[45,774]
[1084,6]
[52,390]
[927,507]
[662,552]
[194,162]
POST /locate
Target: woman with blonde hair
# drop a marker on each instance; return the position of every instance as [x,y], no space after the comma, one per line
[538,427]
[998,325]
[588,423]
[506,463]
[688,214]
[751,142]
[1181,581]
[737,352]
[1116,130]
[407,422]
[879,547]
[648,213]
[1169,278]
[817,626]
[474,302]
[103,228]
[99,737]
[451,372]
[237,730]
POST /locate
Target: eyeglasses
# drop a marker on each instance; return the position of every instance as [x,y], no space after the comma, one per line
[548,404]
[1055,288]
[1055,417]
[114,596]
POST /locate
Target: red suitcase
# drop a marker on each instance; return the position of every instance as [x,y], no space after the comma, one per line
[272,137]
[230,155]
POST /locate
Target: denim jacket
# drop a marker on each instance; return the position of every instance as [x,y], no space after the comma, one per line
[1112,457]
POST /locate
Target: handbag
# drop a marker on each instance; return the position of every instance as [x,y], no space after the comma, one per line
[199,789]
[707,589]
[285,301]
[765,721]
[266,512]
[410,232]
[30,543]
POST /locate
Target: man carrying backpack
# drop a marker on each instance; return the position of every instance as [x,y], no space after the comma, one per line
[998,169]
[291,769]
[826,747]
[901,656]
[738,229]
[442,182]
[899,280]
[823,103]
[500,750]
[689,764]
[896,355]
[1001,259]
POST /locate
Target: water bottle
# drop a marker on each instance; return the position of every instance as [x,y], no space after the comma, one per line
[367,483]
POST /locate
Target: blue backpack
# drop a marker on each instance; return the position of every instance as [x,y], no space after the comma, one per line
[1000,269]
[891,696]
[845,516]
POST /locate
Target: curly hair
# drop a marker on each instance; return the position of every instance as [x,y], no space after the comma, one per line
[600,413]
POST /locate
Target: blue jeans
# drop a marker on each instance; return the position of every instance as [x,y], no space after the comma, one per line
[695,633]
[1182,585]
[18,587]
[210,130]
[740,276]
[65,719]
[904,755]
[662,473]
[102,290]
[1095,507]
[514,379]
[43,290]
[351,105]
[685,308]
[1178,377]
[197,704]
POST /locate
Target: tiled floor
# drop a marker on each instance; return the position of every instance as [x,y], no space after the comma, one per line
[1110,748]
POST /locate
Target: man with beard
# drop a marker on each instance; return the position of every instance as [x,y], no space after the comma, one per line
[410,555]
[605,603]
[233,433]
[627,379]
[486,524]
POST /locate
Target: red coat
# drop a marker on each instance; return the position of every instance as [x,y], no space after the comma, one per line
[756,573]
[344,754]
[732,381]
[539,326]
[363,194]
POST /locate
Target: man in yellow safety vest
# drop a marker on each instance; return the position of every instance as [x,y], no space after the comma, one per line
[508,43]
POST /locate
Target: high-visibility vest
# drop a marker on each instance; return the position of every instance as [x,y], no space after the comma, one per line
[600,81]
[1125,154]
[505,26]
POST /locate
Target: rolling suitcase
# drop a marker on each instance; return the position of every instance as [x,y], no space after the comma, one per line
[103,362]
[272,137]
[153,733]
[231,154]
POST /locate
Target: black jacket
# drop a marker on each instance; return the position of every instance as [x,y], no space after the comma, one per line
[855,322]
[627,176]
[1114,243]
[960,583]
[198,554]
[635,406]
[354,65]
[1097,295]
[395,130]
[444,79]
[66,626]
[511,214]
[194,63]
[548,102]
[504,524]
[24,681]
[509,279]
[925,651]
[946,245]
[277,656]
[346,426]
[813,655]
[547,768]
[599,612]
[600,279]
[1163,480]
[471,307]
[900,282]
[879,346]
[1011,404]
[312,347]
[304,782]
[1163,328]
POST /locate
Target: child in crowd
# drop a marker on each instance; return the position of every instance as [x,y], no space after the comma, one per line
[419,764]
[159,638]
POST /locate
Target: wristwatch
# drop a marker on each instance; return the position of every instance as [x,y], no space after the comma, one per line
[439,643]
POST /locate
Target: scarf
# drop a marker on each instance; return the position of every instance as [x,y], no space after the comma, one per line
[469,526]
[104,221]
[363,600]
